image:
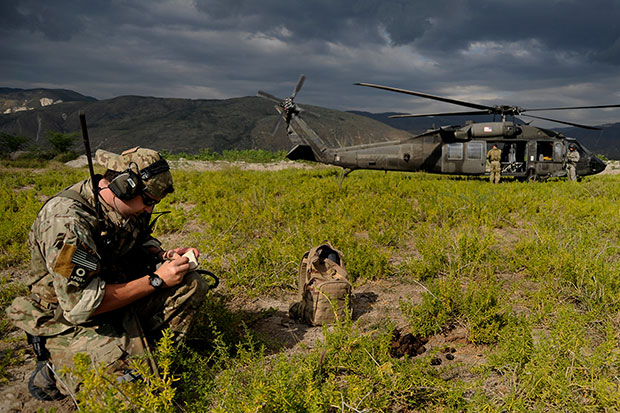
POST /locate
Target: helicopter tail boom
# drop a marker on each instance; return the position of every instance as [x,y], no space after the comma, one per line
[308,145]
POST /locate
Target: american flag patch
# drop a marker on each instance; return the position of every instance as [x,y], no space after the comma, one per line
[85,260]
[488,129]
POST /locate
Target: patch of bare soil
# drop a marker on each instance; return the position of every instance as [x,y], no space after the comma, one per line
[15,396]
[373,302]
[183,163]
[245,166]
[613,168]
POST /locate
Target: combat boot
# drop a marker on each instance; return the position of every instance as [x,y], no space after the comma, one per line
[42,385]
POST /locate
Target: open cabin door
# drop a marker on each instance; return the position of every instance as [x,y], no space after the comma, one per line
[547,157]
[464,157]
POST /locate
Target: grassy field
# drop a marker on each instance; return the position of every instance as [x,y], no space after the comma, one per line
[529,270]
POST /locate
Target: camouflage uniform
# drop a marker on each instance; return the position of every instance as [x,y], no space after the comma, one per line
[71,263]
[572,158]
[494,156]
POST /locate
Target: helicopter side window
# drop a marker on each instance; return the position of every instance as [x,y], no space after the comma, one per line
[455,151]
[558,148]
[544,151]
[474,151]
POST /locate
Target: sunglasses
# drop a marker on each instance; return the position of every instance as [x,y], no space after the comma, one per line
[148,201]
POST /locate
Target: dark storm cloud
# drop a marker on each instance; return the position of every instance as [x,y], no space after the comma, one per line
[525,52]
[445,26]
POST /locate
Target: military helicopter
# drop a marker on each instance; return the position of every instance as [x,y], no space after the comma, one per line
[528,152]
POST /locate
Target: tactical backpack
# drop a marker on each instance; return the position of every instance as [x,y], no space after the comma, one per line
[324,290]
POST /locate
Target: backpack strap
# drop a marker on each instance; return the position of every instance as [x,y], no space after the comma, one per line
[76,196]
[302,276]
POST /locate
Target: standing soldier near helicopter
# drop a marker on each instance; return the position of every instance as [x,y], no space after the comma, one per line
[572,158]
[494,156]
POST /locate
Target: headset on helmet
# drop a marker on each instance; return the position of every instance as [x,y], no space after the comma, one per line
[130,182]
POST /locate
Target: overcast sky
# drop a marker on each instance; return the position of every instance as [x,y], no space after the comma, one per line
[530,53]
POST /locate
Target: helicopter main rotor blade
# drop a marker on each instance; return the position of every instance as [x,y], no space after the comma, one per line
[427,96]
[307,112]
[421,115]
[276,126]
[564,122]
[268,96]
[573,107]
[300,83]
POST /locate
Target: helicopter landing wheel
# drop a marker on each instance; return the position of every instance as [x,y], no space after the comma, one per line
[531,176]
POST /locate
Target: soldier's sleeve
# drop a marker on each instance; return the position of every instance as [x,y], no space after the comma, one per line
[152,243]
[66,241]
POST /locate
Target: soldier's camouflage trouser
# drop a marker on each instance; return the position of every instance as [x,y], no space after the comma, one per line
[495,172]
[571,171]
[117,336]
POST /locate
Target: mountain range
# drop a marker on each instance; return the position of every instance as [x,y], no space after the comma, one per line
[189,125]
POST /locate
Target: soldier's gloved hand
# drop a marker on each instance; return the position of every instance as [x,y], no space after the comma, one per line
[173,271]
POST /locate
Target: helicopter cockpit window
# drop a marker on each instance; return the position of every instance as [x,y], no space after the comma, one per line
[475,151]
[455,151]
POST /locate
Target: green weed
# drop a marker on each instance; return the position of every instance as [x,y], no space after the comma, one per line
[530,271]
[100,392]
[255,156]
[350,370]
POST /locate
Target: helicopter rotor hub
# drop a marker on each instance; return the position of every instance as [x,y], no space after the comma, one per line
[288,104]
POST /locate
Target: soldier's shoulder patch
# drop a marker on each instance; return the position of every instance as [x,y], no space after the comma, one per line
[85,259]
[79,275]
[76,263]
[63,265]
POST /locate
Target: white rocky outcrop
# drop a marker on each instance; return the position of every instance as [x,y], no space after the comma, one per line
[48,101]
[43,101]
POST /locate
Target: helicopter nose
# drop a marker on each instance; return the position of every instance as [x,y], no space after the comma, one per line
[597,165]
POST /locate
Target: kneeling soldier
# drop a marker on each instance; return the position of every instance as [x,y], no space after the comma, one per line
[104,287]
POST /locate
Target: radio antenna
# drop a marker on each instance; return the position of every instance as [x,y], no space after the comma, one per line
[90,166]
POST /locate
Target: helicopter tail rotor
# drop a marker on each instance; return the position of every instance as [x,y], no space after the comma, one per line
[287,106]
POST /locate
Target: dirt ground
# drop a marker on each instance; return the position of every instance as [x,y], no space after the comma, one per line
[613,168]
[372,302]
[183,163]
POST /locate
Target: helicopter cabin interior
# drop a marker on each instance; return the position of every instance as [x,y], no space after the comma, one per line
[514,156]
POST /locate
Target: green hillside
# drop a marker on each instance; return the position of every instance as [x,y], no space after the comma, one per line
[186,125]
